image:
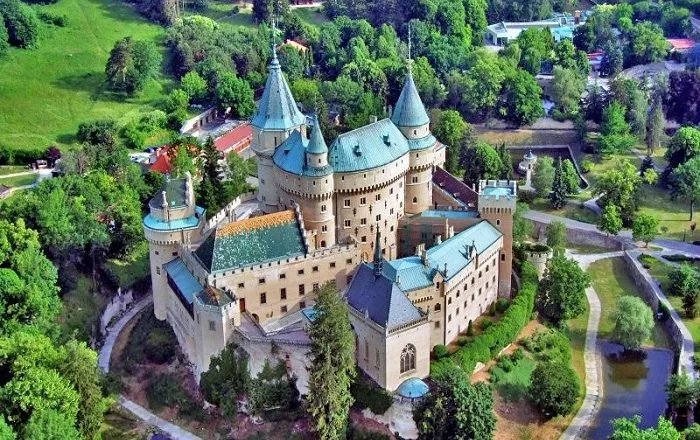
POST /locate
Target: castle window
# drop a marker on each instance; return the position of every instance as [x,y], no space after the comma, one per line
[319,161]
[157,253]
[494,278]
[157,270]
[302,290]
[465,304]
[323,208]
[378,197]
[261,281]
[346,203]
[457,312]
[241,285]
[300,272]
[363,200]
[283,309]
[283,276]
[437,307]
[479,274]
[314,269]
[472,297]
[415,200]
[391,211]
[174,254]
[458,294]
[283,293]
[348,261]
[363,222]
[472,281]
[263,298]
[498,222]
[379,217]
[479,291]
[212,326]
[332,265]
[437,324]
[449,301]
[302,304]
[487,284]
[449,318]
[503,257]
[346,223]
[315,287]
[366,349]
[376,358]
[391,190]
[408,358]
[324,228]
[414,179]
[323,243]
[363,239]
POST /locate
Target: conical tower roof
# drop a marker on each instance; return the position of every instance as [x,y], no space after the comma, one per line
[317,145]
[409,110]
[277,109]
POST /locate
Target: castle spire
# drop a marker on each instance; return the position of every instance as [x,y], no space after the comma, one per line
[317,145]
[409,110]
[378,254]
[274,39]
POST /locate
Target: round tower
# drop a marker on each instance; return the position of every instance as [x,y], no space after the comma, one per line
[173,221]
[318,207]
[413,121]
[277,117]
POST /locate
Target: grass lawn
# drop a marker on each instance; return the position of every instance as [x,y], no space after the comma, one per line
[572,211]
[223,13]
[524,137]
[12,169]
[25,179]
[132,268]
[312,16]
[576,331]
[660,271]
[45,93]
[588,249]
[81,308]
[673,215]
[513,384]
[611,281]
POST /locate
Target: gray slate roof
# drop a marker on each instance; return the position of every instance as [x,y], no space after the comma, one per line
[277,109]
[380,298]
[409,110]
[367,147]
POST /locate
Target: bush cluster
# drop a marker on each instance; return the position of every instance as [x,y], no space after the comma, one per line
[493,339]
[549,345]
[151,340]
[24,156]
[368,395]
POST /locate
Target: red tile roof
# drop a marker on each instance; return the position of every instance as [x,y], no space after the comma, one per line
[681,43]
[456,188]
[162,163]
[235,139]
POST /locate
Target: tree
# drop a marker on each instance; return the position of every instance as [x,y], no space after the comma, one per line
[556,236]
[627,429]
[543,176]
[681,102]
[131,65]
[521,98]
[21,23]
[6,433]
[481,161]
[194,86]
[685,282]
[450,129]
[685,182]
[570,177]
[522,227]
[655,127]
[644,228]
[633,322]
[619,186]
[292,62]
[264,9]
[561,295]
[610,220]
[567,88]
[647,44]
[476,91]
[99,132]
[4,40]
[684,145]
[692,432]
[614,130]
[554,388]
[637,113]
[682,392]
[235,94]
[557,198]
[455,409]
[506,162]
[332,364]
[47,424]
[182,162]
[226,379]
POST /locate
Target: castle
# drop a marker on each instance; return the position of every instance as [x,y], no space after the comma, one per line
[416,253]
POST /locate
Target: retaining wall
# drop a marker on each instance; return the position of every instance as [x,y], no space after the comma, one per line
[584,237]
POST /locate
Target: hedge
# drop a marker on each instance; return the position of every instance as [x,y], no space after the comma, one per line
[487,345]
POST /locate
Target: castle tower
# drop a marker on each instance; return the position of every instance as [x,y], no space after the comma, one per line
[411,118]
[318,184]
[277,117]
[173,220]
[497,202]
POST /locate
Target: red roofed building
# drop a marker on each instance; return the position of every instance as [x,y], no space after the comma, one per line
[161,161]
[681,44]
[236,140]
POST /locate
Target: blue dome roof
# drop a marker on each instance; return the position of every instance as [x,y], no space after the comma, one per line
[317,145]
[412,388]
[530,155]
[277,109]
[409,110]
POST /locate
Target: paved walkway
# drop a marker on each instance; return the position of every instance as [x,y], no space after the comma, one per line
[174,431]
[591,357]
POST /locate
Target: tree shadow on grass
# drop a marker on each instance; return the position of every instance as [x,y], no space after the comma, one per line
[512,392]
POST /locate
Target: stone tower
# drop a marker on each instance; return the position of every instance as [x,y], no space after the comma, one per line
[411,118]
[173,220]
[277,117]
[497,202]
[318,188]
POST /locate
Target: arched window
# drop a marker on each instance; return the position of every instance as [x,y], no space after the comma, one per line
[408,358]
[437,307]
[415,200]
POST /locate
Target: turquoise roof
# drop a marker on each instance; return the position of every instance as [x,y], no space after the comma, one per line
[449,214]
[253,241]
[422,143]
[186,283]
[412,388]
[497,191]
[152,222]
[317,145]
[367,147]
[277,109]
[414,275]
[409,110]
[310,313]
[175,194]
[291,157]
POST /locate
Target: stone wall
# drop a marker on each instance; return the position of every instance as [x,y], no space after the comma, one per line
[116,306]
[591,237]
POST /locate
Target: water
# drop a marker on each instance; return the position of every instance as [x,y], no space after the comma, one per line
[634,383]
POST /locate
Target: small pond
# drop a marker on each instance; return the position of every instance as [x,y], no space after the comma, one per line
[634,383]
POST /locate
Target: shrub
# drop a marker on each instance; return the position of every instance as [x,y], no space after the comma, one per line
[502,305]
[368,395]
[150,340]
[492,309]
[586,166]
[11,156]
[505,363]
[470,328]
[518,355]
[166,390]
[549,345]
[440,351]
[485,323]
[53,19]
[554,388]
[500,334]
[462,341]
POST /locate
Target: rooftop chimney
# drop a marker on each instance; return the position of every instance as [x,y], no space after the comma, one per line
[438,239]
[372,119]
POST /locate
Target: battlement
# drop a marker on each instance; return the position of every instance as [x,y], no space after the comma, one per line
[498,189]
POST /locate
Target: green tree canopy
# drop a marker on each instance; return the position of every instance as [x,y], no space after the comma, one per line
[684,145]
[633,322]
[48,424]
[627,429]
[235,94]
[685,182]
[645,227]
[481,161]
[610,220]
[543,176]
[554,388]
[562,290]
[567,87]
[557,198]
[620,186]
[647,44]
[449,127]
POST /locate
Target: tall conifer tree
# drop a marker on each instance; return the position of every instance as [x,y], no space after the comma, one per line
[557,197]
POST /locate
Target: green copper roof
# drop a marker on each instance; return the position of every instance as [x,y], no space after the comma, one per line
[409,110]
[277,109]
[317,145]
[451,254]
[256,240]
[175,194]
[291,157]
[422,143]
[367,147]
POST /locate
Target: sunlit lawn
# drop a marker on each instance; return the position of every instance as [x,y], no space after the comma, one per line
[576,331]
[24,179]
